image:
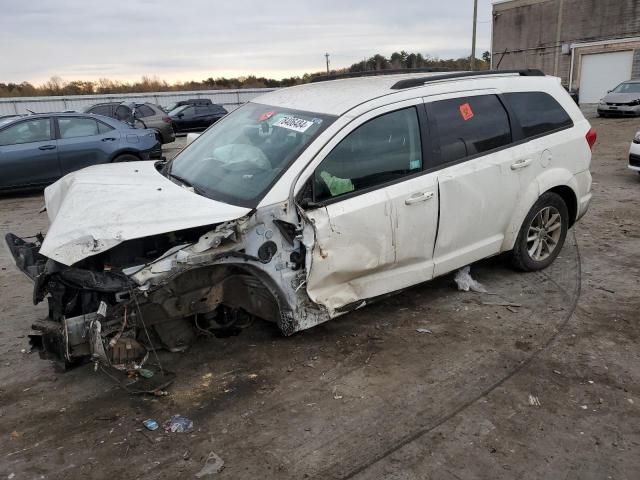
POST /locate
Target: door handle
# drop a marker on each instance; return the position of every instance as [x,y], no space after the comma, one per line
[47,147]
[108,139]
[521,164]
[419,197]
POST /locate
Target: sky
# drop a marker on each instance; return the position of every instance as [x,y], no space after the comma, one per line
[197,39]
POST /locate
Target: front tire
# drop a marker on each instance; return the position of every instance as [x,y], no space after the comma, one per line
[542,234]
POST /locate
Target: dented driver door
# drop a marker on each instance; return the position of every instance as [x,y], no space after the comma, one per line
[375,211]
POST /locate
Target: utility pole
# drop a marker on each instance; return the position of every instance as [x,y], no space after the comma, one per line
[327,57]
[472,61]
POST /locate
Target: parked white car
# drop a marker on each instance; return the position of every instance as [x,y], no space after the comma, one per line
[634,153]
[309,202]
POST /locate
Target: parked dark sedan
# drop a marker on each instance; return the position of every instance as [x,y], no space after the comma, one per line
[189,101]
[195,118]
[36,150]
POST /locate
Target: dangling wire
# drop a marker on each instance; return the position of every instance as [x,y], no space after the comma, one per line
[155,353]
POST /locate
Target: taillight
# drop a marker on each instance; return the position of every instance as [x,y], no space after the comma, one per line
[168,120]
[591,137]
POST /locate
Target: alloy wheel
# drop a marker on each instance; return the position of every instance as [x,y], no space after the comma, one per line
[544,233]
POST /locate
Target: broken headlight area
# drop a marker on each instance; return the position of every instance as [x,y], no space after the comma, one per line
[164,291]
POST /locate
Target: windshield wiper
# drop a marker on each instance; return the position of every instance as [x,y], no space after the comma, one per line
[187,183]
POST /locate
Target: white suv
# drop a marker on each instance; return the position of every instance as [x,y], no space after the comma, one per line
[310,201]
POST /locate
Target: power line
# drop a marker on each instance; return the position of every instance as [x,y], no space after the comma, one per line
[472,62]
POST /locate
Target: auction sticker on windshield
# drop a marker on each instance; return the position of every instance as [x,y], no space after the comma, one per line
[293,123]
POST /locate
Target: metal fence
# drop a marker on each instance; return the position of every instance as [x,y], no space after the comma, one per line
[230,99]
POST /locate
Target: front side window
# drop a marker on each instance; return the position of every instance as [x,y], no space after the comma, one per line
[38,130]
[73,127]
[382,150]
[238,159]
[469,126]
[538,113]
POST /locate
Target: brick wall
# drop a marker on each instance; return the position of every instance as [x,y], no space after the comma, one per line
[527,29]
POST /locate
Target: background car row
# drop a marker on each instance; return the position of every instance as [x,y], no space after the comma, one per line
[38,149]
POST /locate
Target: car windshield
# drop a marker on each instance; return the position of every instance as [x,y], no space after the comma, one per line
[177,110]
[241,156]
[627,88]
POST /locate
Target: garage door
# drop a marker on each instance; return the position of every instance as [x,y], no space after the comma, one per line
[601,72]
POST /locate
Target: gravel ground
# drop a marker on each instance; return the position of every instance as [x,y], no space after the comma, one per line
[550,389]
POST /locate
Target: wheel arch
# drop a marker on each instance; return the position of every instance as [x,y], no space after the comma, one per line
[128,151]
[557,180]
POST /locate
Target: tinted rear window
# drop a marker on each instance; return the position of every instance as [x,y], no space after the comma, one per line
[143,111]
[469,126]
[538,113]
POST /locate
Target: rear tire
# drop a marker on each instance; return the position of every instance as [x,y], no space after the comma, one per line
[542,234]
[125,157]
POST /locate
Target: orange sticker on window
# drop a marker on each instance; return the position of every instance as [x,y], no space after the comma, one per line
[465,111]
[266,116]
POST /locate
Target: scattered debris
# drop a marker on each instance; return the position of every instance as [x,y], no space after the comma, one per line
[178,424]
[212,465]
[144,372]
[557,372]
[253,375]
[534,401]
[583,407]
[423,330]
[605,289]
[465,282]
[335,395]
[502,304]
[630,400]
[150,424]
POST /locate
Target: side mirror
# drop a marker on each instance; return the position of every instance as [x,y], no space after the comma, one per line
[307,204]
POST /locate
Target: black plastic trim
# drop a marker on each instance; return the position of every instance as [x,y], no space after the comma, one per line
[376,73]
[420,81]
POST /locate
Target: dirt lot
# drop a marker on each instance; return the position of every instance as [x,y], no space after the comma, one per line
[550,389]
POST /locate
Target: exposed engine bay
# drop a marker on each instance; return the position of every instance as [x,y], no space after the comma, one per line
[165,290]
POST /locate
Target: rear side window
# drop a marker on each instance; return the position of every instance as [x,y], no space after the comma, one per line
[143,111]
[382,150]
[101,110]
[468,126]
[73,127]
[104,128]
[538,113]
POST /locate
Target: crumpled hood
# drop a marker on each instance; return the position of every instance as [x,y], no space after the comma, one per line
[621,97]
[95,209]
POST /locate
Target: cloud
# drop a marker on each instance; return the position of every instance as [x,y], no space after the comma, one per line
[196,39]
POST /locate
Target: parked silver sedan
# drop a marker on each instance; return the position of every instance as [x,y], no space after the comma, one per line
[622,100]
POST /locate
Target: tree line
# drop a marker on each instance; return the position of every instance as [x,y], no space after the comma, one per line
[56,86]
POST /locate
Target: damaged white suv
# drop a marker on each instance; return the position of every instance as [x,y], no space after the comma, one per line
[305,204]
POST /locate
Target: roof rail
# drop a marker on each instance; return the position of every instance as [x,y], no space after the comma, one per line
[419,81]
[374,73]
